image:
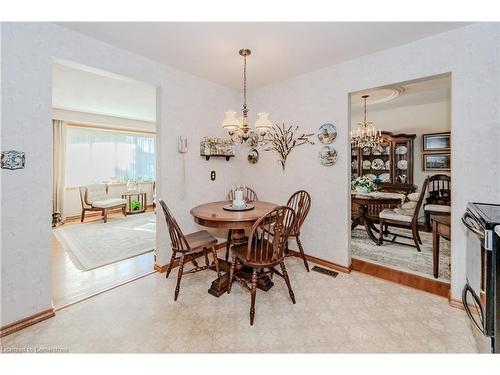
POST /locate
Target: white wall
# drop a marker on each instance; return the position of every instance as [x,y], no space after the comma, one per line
[412,119]
[187,106]
[471,54]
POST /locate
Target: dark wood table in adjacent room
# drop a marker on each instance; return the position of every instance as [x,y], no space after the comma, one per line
[365,209]
[213,215]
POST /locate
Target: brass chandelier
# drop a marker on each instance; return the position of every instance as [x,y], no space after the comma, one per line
[239,126]
[366,135]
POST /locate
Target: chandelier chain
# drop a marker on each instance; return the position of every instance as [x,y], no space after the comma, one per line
[244,82]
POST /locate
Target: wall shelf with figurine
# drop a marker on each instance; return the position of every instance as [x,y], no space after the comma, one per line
[217,147]
[389,165]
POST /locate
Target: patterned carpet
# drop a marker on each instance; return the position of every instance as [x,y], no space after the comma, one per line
[352,313]
[404,258]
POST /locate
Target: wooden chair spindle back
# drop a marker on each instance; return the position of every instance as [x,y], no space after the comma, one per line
[248,195]
[300,202]
[269,235]
[178,241]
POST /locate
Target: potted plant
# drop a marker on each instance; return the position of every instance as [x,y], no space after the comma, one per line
[363,184]
[135,205]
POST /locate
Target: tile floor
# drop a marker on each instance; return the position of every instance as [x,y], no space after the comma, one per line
[350,313]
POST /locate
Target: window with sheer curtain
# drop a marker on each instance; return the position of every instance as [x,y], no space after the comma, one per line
[96,155]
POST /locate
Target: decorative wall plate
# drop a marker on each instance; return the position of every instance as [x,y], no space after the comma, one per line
[253,156]
[367,151]
[13,160]
[354,152]
[327,156]
[387,150]
[367,164]
[378,164]
[354,165]
[401,150]
[388,165]
[371,176]
[403,164]
[327,133]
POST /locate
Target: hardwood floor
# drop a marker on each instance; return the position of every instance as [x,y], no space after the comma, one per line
[70,285]
[433,286]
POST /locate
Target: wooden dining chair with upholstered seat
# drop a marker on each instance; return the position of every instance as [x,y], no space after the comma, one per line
[190,247]
[249,195]
[399,218]
[264,251]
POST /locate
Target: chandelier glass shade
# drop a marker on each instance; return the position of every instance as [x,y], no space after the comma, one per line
[366,135]
[239,126]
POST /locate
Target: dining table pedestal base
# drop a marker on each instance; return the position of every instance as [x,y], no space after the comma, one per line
[219,285]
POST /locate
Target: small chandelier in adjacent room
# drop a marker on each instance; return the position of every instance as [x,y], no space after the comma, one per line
[366,135]
[239,126]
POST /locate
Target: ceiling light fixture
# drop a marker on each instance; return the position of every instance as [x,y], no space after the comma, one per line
[240,127]
[366,135]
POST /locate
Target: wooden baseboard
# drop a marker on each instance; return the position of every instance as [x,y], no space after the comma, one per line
[322,262]
[404,278]
[456,304]
[26,322]
[163,268]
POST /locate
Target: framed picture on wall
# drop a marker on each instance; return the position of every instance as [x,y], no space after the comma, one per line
[437,142]
[436,162]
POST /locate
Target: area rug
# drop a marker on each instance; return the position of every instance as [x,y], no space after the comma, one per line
[401,257]
[95,244]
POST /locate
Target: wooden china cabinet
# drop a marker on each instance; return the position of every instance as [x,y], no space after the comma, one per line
[390,165]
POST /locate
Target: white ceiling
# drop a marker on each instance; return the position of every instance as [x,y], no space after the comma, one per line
[84,89]
[423,91]
[279,50]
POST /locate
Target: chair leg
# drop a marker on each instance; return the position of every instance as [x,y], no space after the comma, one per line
[414,232]
[418,237]
[179,277]
[216,261]
[83,216]
[207,262]
[106,215]
[231,274]
[428,222]
[287,280]
[228,243]
[381,235]
[171,264]
[124,209]
[302,253]
[254,293]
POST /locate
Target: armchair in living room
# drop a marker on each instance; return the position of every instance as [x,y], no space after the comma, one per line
[95,198]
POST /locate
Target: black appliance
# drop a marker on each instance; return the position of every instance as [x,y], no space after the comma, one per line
[481,294]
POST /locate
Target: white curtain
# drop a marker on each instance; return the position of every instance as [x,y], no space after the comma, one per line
[96,155]
[58,168]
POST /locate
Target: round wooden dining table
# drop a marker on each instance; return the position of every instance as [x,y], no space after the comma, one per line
[213,215]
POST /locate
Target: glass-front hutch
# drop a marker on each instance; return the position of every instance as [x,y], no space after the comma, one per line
[390,165]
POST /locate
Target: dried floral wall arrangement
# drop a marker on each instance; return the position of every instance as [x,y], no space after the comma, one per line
[283,140]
